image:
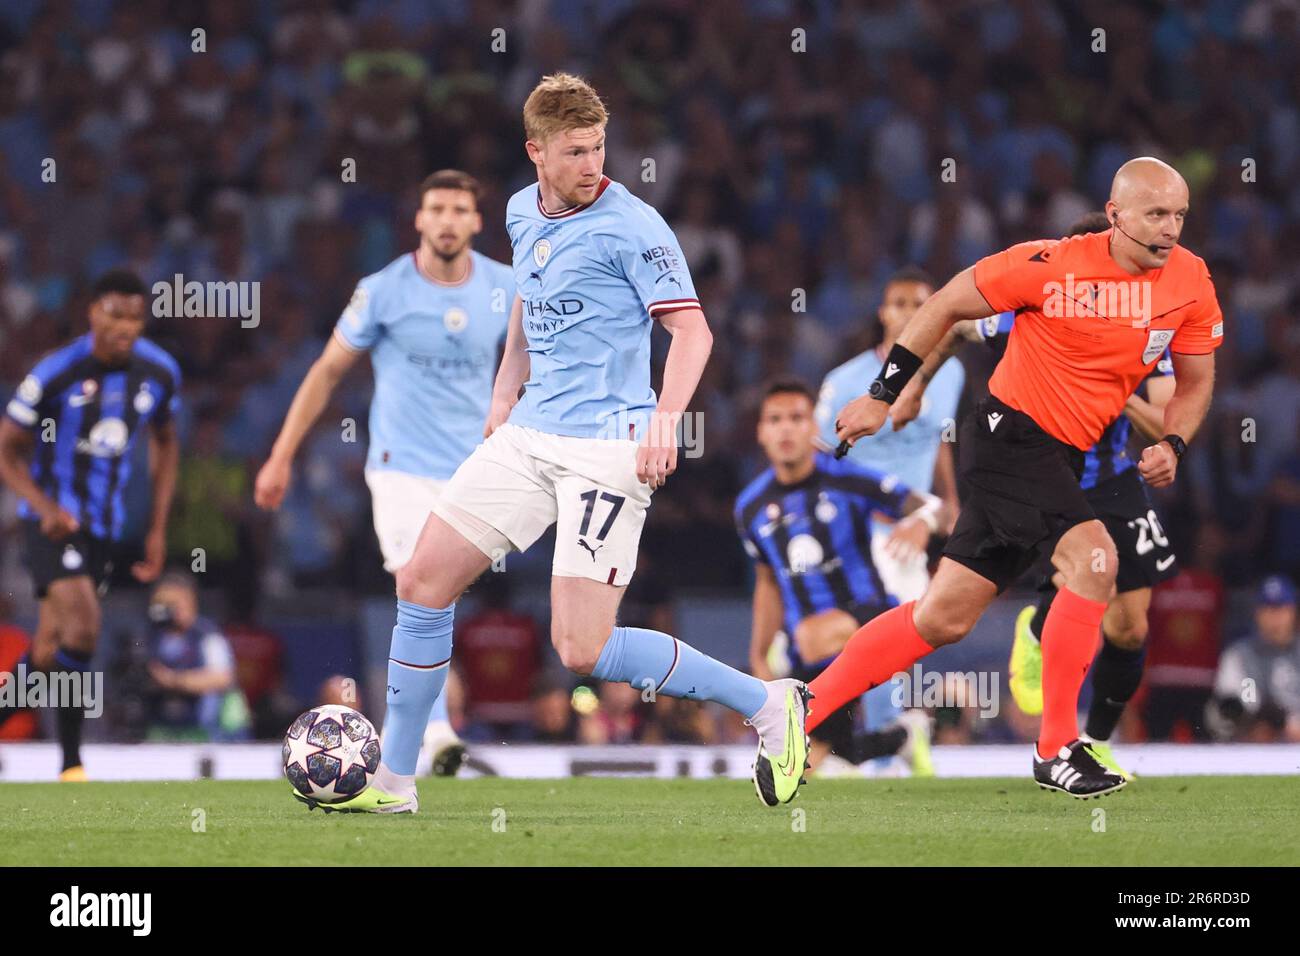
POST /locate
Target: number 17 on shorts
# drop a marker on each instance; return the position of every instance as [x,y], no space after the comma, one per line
[597,530]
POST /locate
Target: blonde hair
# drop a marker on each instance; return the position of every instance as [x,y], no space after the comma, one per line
[562,101]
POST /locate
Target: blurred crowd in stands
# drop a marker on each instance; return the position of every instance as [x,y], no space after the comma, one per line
[798,150]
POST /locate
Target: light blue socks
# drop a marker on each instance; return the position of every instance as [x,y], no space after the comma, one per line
[652,660]
[417,671]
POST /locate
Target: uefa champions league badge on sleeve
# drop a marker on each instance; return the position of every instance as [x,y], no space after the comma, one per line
[356,305]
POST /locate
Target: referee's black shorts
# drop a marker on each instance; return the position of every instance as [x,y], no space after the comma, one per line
[1123,504]
[1023,493]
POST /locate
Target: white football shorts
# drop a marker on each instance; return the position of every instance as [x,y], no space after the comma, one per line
[401,503]
[520,481]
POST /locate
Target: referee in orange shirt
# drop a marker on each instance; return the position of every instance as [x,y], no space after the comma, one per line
[1094,313]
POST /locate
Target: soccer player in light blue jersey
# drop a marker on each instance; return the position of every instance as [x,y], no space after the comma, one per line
[582,449]
[432,322]
[918,455]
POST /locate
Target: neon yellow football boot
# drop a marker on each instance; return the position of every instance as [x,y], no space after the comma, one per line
[1026,666]
[370,800]
[1101,752]
[779,771]
[916,751]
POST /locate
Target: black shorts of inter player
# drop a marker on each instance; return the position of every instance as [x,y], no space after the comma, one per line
[1124,506]
[862,613]
[76,555]
[839,729]
[1023,493]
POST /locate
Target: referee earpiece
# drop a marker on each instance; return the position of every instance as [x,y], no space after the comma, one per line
[1150,246]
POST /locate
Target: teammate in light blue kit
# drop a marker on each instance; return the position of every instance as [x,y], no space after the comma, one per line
[433,347]
[432,321]
[921,459]
[917,458]
[583,449]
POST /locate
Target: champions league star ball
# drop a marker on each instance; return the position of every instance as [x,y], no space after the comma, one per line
[331,753]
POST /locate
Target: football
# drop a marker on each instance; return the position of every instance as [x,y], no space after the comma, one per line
[331,753]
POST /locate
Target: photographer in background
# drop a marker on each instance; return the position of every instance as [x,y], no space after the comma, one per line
[1257,690]
[192,669]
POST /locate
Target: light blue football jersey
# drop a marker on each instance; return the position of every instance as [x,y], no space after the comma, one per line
[434,352]
[911,451]
[590,280]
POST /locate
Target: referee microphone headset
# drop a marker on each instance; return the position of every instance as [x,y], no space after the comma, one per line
[1151,247]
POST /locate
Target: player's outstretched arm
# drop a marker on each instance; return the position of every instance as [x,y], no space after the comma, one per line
[687,355]
[512,373]
[308,403]
[164,462]
[16,445]
[1193,389]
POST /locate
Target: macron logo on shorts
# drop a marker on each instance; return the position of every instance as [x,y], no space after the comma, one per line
[994,419]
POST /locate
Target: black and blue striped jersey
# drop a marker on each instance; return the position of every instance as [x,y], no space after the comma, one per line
[815,535]
[1109,457]
[85,417]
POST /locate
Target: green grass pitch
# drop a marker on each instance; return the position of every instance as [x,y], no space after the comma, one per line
[588,821]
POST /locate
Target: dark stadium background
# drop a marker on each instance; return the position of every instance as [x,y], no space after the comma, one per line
[797,146]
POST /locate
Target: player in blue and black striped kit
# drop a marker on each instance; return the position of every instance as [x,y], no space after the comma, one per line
[66,443]
[807,524]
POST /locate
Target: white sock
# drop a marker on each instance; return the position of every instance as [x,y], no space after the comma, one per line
[398,784]
[771,716]
[441,729]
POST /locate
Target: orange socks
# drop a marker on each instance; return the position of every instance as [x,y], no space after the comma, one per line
[882,647]
[890,643]
[1070,635]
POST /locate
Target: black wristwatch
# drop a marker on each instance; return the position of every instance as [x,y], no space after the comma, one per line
[882,392]
[1177,444]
